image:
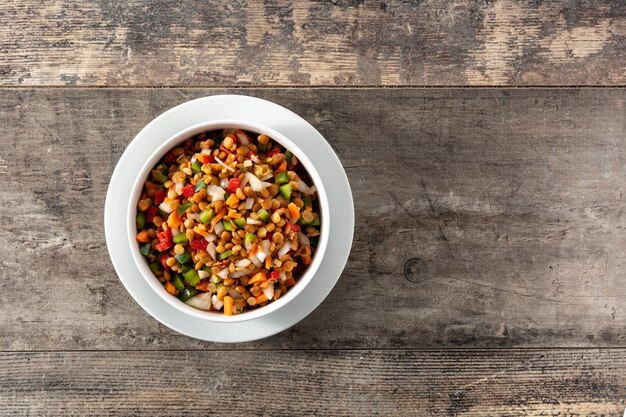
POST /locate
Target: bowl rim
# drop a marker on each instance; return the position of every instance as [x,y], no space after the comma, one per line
[170,143]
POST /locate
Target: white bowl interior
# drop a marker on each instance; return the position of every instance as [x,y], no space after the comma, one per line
[152,280]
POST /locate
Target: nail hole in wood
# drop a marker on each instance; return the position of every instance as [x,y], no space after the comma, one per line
[415,270]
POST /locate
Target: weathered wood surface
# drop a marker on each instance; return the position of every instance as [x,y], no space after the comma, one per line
[328,383]
[508,202]
[348,43]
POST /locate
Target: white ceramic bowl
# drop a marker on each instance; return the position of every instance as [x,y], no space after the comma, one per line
[171,143]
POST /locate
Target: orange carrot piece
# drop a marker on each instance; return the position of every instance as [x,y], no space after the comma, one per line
[173,221]
[282,167]
[170,288]
[294,212]
[228,305]
[260,299]
[258,277]
[143,236]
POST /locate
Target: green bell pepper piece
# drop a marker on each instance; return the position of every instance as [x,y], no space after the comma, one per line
[285,191]
[145,249]
[191,277]
[264,215]
[187,293]
[225,255]
[180,238]
[140,220]
[183,258]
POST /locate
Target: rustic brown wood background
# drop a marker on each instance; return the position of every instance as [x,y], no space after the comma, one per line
[488,271]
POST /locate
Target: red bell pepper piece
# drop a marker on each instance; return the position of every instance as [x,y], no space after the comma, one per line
[274,275]
[206,159]
[163,258]
[188,190]
[293,227]
[273,152]
[159,196]
[199,244]
[165,240]
[150,213]
[169,158]
[233,184]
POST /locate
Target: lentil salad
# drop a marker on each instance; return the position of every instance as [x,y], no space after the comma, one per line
[227,221]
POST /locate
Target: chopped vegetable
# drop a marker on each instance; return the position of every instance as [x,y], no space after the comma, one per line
[187,293]
[240,222]
[207,215]
[177,281]
[285,191]
[264,215]
[281,178]
[145,249]
[159,196]
[180,238]
[196,167]
[228,226]
[140,220]
[188,190]
[191,277]
[182,209]
[183,258]
[199,185]
[225,255]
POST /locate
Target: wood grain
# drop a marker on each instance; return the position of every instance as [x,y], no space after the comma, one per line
[333,383]
[508,204]
[302,43]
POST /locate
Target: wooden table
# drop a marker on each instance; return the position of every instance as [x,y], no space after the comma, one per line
[488,270]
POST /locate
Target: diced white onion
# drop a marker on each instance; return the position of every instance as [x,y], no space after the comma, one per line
[266,246]
[206,152]
[216,192]
[175,231]
[243,138]
[249,203]
[217,304]
[250,220]
[223,273]
[166,207]
[233,293]
[219,228]
[269,291]
[256,261]
[203,274]
[194,158]
[267,176]
[284,249]
[242,273]
[255,183]
[193,216]
[219,161]
[247,163]
[303,239]
[210,237]
[224,183]
[210,248]
[178,187]
[255,159]
[201,301]
[282,277]
[260,255]
[305,189]
[243,263]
